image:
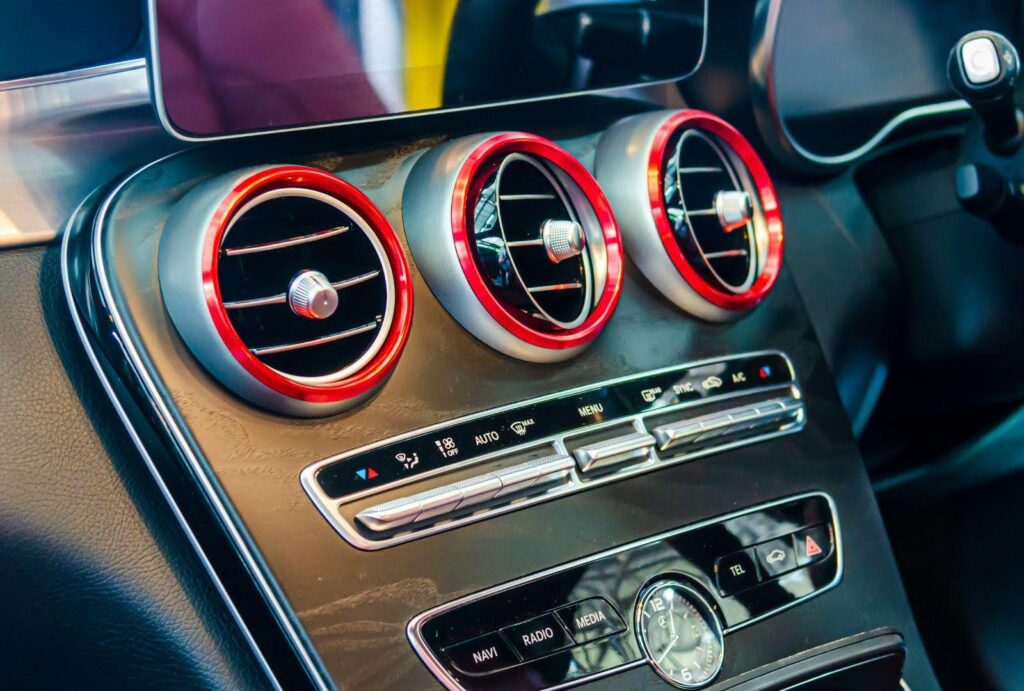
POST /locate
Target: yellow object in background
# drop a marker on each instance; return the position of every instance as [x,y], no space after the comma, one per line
[428,26]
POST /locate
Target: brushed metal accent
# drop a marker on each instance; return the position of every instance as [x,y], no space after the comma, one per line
[330,507]
[299,345]
[414,630]
[621,166]
[45,170]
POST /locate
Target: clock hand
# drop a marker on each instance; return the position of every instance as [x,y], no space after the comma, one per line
[672,617]
[668,649]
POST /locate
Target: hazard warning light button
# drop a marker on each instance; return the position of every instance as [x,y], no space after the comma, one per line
[813,545]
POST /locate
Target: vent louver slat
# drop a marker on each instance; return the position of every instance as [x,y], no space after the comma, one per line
[304,285]
[524,252]
[273,239]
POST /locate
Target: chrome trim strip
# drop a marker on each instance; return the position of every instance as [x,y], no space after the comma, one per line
[773,127]
[282,244]
[279,609]
[140,446]
[282,298]
[287,347]
[72,75]
[153,67]
[414,630]
[330,507]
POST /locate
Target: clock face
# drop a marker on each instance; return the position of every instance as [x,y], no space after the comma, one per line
[679,634]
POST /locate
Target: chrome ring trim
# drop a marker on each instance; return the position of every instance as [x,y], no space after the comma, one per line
[414,630]
[147,459]
[330,507]
[773,127]
[153,65]
[427,217]
[621,168]
[674,582]
[179,264]
[207,484]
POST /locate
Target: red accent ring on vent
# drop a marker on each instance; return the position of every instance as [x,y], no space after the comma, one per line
[765,189]
[377,370]
[522,142]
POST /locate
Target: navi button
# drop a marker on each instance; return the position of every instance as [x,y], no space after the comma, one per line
[482,655]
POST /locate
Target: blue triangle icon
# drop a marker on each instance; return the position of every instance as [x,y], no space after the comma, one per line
[361,473]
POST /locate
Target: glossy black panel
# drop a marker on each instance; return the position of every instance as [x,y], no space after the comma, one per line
[618,577]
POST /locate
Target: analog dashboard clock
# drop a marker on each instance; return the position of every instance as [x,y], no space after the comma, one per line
[679,634]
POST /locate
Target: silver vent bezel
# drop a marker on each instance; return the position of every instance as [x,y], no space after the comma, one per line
[383,327]
[180,269]
[427,211]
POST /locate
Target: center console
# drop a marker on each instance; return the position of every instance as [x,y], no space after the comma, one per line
[525,403]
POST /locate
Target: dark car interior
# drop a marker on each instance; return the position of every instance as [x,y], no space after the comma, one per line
[496,345]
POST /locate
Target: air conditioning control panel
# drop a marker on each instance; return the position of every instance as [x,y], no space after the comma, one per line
[468,470]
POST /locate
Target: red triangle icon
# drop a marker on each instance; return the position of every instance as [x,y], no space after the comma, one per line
[812,547]
[371,473]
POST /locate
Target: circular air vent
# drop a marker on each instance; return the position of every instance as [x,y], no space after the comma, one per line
[527,255]
[289,285]
[699,210]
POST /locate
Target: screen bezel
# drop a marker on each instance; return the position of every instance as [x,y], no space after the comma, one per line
[156,93]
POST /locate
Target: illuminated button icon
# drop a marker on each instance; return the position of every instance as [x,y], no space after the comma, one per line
[765,372]
[366,473]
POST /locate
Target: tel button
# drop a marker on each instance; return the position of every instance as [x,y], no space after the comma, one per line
[537,637]
[591,619]
[736,572]
[482,655]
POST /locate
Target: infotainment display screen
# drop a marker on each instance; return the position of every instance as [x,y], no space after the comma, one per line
[231,67]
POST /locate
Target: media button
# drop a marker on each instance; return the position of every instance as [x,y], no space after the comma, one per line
[591,619]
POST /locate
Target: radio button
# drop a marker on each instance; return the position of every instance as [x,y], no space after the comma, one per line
[537,637]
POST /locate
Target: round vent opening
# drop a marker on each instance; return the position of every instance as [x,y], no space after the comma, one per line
[306,302]
[715,209]
[699,211]
[537,241]
[271,245]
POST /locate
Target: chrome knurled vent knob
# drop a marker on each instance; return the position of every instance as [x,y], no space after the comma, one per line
[734,209]
[563,239]
[312,296]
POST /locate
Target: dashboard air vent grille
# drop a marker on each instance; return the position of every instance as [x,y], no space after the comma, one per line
[274,241]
